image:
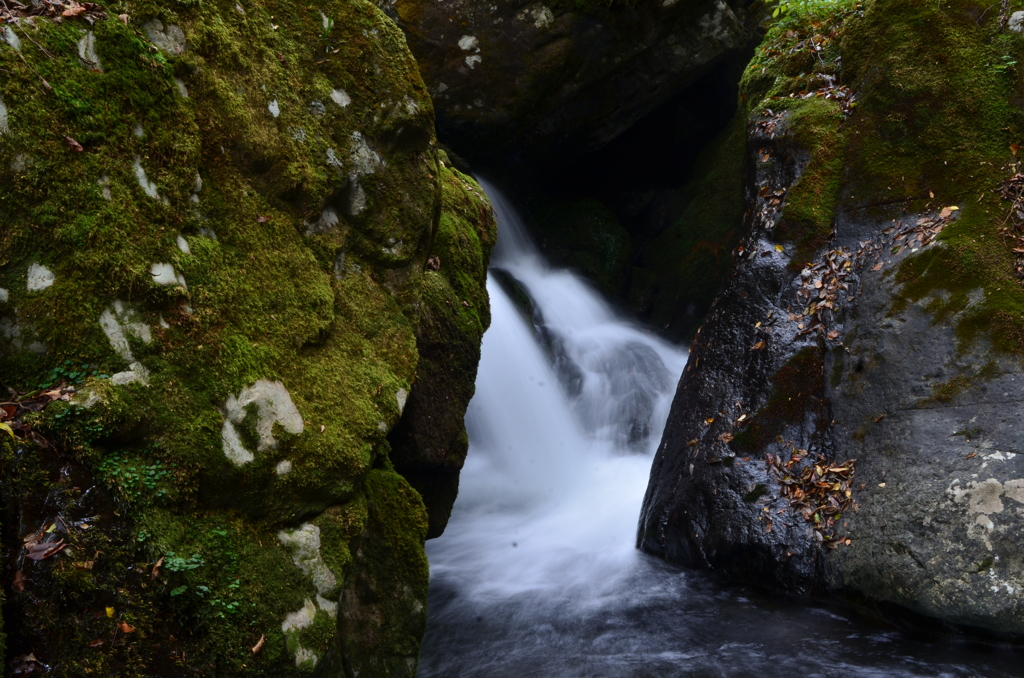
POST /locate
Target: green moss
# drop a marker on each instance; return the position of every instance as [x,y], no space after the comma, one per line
[330,310]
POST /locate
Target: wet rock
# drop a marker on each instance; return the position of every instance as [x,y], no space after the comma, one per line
[846,422]
[558,77]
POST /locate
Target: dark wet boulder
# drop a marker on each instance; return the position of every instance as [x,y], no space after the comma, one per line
[847,423]
[546,78]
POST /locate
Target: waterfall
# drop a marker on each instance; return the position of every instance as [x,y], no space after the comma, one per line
[536,574]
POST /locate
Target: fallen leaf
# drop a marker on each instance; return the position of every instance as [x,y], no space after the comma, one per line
[123,18]
[19,581]
[931,195]
[834,334]
[155,572]
[44,551]
[85,565]
[96,643]
[73,145]
[879,418]
[877,267]
[1014,148]
[725,437]
[322,428]
[125,627]
[262,220]
[110,612]
[74,10]
[758,346]
[881,484]
[259,643]
[780,248]
[5,427]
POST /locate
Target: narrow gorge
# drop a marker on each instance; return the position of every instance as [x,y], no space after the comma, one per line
[605,338]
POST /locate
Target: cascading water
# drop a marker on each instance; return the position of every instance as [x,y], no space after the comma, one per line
[536,574]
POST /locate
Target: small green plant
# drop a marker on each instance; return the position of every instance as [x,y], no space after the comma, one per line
[1004,65]
[801,7]
[175,563]
[70,372]
[132,478]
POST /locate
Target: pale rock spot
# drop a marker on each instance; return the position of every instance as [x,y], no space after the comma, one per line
[472,61]
[1017,22]
[4,295]
[182,90]
[334,161]
[283,468]
[304,657]
[135,373]
[304,543]
[328,606]
[11,38]
[325,21]
[4,126]
[198,186]
[442,88]
[539,14]
[668,3]
[87,51]
[165,275]
[273,405]
[364,159]
[239,8]
[163,323]
[985,497]
[20,162]
[469,42]
[356,198]
[401,396]
[317,108]
[340,97]
[169,38]
[411,107]
[328,221]
[299,134]
[234,450]
[104,182]
[300,619]
[274,108]
[208,233]
[119,322]
[183,245]
[148,187]
[382,426]
[39,278]
[138,130]
[11,330]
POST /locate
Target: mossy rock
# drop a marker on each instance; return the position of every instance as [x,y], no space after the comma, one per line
[230,272]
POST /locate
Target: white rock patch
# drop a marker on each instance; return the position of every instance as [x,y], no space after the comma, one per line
[365,161]
[164,274]
[401,396]
[340,97]
[472,61]
[119,322]
[39,278]
[469,43]
[11,38]
[274,108]
[4,295]
[183,245]
[1017,22]
[182,90]
[273,405]
[304,543]
[539,14]
[169,38]
[4,126]
[148,187]
[104,182]
[87,51]
[138,130]
[283,468]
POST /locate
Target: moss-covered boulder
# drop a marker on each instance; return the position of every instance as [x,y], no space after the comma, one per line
[847,421]
[218,221]
[544,79]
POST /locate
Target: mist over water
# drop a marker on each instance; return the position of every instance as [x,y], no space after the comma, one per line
[537,574]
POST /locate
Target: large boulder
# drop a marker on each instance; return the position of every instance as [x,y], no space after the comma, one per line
[558,77]
[848,420]
[215,267]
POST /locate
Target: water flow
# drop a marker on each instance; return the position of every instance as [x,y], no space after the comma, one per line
[536,574]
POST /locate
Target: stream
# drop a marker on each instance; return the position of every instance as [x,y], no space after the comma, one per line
[536,574]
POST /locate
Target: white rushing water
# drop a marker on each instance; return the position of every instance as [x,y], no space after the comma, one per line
[559,460]
[536,574]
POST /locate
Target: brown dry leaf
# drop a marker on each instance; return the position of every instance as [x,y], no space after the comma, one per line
[19,581]
[758,346]
[725,437]
[259,643]
[125,627]
[931,195]
[73,145]
[44,551]
[877,267]
[85,565]
[262,220]
[834,334]
[1014,148]
[155,572]
[879,418]
[73,10]
[96,643]
[693,443]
